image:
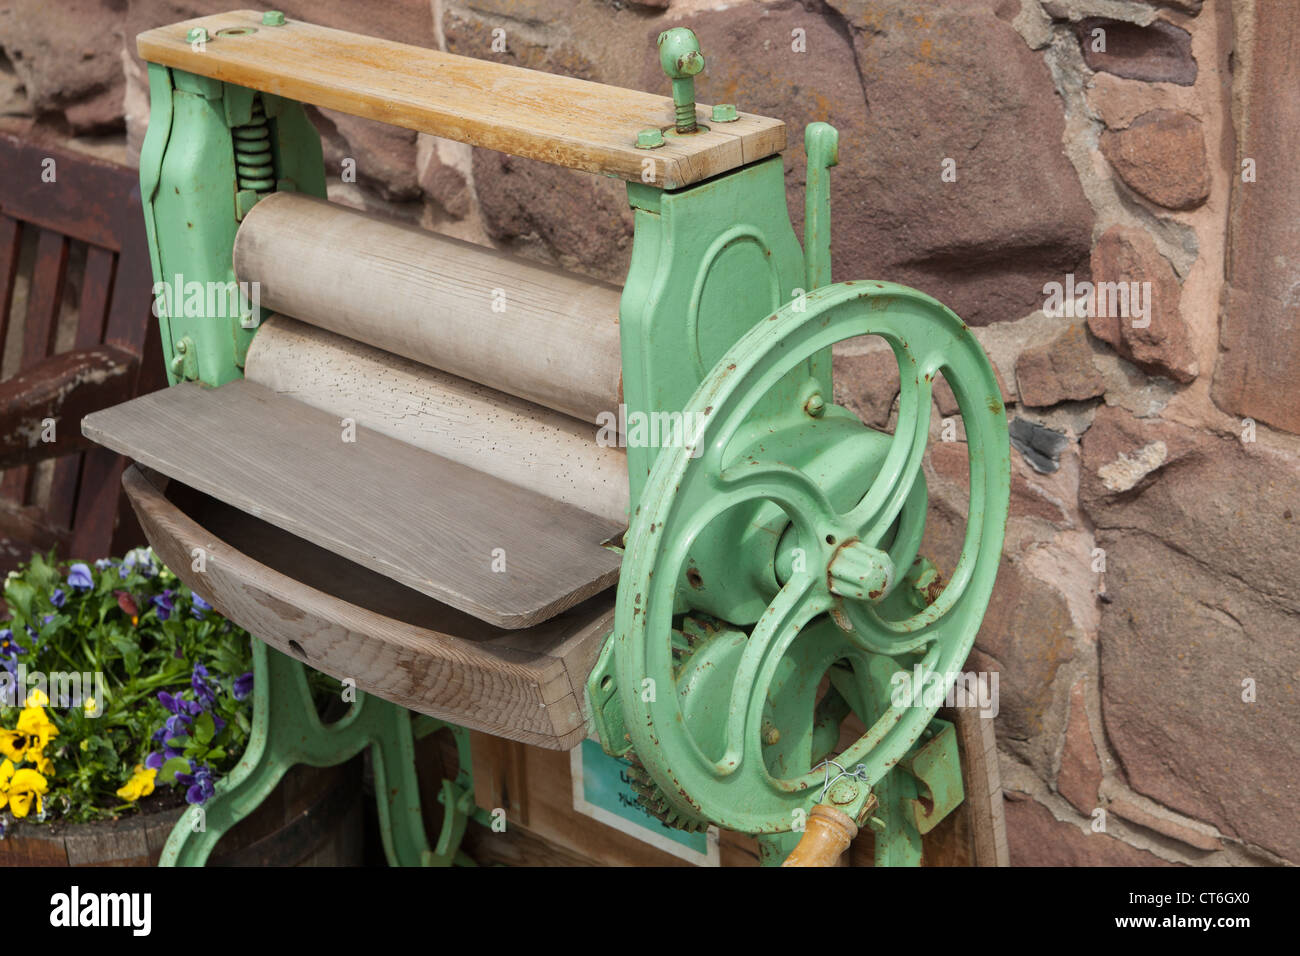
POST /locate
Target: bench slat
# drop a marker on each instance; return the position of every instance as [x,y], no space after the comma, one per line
[543,116]
[422,520]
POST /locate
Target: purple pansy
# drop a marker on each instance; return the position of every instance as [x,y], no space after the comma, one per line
[177,704]
[243,686]
[154,761]
[200,606]
[199,783]
[79,577]
[163,605]
[202,689]
[58,598]
[9,651]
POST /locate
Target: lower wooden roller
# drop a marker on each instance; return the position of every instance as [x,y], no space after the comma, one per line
[532,331]
[517,441]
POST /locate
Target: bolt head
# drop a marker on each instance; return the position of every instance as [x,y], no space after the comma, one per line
[816,405]
[725,113]
[860,572]
[649,139]
[197,35]
[273,18]
[843,792]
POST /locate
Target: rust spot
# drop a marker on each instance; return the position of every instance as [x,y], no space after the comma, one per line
[995,405]
[693,578]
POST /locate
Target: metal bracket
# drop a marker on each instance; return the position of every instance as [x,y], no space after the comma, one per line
[936,766]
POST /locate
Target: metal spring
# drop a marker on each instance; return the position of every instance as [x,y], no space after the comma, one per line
[253,152]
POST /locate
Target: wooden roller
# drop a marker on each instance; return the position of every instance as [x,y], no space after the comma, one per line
[536,332]
[517,441]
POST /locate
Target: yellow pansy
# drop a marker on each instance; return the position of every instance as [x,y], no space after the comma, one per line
[19,787]
[43,764]
[90,706]
[37,698]
[13,744]
[33,722]
[140,784]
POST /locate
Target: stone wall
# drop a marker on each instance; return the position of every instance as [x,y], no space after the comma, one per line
[1146,619]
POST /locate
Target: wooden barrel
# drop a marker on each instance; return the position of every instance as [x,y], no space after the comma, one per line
[313,818]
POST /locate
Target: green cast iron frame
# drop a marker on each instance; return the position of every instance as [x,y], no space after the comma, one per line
[718,293]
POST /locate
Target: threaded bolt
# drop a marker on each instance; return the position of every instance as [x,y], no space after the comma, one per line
[680,57]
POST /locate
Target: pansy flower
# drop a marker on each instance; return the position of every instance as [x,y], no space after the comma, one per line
[200,607]
[58,598]
[163,604]
[13,744]
[38,727]
[79,577]
[202,689]
[18,788]
[140,784]
[243,686]
[198,783]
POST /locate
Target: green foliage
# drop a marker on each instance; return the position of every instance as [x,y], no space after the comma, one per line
[157,684]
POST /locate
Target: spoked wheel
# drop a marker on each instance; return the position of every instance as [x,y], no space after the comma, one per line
[709,743]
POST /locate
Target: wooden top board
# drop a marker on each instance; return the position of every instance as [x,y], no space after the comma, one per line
[429,523]
[555,119]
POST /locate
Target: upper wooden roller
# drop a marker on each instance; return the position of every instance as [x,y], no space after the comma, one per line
[555,119]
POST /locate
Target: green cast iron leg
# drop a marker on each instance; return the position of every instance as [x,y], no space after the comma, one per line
[286,731]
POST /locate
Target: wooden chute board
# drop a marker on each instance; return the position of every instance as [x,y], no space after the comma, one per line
[500,552]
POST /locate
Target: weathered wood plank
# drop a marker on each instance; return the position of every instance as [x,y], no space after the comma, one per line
[96,289]
[543,116]
[424,521]
[11,236]
[64,388]
[43,301]
[351,622]
[82,199]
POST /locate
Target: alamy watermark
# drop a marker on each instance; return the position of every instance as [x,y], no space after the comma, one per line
[63,689]
[923,687]
[221,300]
[626,429]
[1119,300]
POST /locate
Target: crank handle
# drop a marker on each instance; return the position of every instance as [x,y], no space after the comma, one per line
[829,832]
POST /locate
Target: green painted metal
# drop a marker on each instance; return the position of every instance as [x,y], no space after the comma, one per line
[287,731]
[680,57]
[649,139]
[774,544]
[822,146]
[212,149]
[935,764]
[700,734]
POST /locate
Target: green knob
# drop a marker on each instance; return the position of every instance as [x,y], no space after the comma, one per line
[680,57]
[725,113]
[273,18]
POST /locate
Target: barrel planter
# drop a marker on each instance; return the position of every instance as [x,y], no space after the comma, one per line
[313,818]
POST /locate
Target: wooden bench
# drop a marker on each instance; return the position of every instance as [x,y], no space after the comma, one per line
[59,209]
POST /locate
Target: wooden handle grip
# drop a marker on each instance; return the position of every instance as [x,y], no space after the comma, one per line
[829,833]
